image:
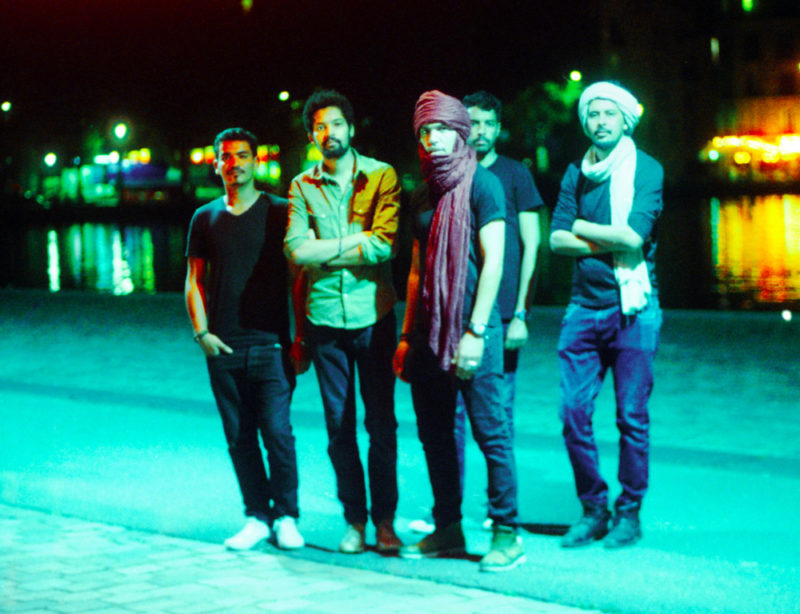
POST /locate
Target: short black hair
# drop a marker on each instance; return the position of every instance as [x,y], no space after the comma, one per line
[236,134]
[326,98]
[486,101]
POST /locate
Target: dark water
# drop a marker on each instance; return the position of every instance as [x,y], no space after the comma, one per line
[734,253]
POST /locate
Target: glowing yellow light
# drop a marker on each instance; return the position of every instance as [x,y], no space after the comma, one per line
[640,109]
[50,159]
[575,75]
[209,154]
[742,157]
[771,157]
[262,153]
[145,155]
[6,106]
[789,144]
[113,157]
[274,170]
[717,141]
[283,96]
[713,155]
[196,155]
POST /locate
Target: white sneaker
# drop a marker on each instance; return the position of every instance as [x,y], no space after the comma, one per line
[286,534]
[253,533]
[421,526]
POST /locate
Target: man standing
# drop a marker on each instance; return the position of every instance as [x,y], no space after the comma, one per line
[606,218]
[452,336]
[237,298]
[342,225]
[522,237]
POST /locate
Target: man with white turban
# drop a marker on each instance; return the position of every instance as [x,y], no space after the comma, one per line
[606,219]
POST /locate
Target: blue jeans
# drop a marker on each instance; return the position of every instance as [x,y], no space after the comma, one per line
[591,341]
[507,392]
[434,393]
[253,389]
[337,353]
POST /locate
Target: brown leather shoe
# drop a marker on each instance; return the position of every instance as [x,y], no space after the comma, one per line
[386,539]
[353,540]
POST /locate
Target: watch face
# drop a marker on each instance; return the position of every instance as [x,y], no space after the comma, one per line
[477,329]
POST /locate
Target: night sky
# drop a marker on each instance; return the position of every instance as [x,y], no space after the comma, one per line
[187,68]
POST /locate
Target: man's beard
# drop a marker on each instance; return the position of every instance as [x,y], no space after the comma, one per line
[336,151]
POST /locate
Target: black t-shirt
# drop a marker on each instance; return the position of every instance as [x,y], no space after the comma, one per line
[594,284]
[521,196]
[487,204]
[247,289]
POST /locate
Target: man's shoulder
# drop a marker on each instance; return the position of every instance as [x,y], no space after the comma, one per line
[509,165]
[274,200]
[646,162]
[218,204]
[372,165]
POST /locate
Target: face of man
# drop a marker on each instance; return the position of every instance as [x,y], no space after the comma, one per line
[604,123]
[484,131]
[235,163]
[437,138]
[331,133]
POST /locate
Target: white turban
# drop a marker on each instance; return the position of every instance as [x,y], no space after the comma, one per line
[627,103]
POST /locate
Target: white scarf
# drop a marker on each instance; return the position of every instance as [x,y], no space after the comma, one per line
[629,266]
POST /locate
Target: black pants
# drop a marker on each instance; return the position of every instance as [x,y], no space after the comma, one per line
[253,388]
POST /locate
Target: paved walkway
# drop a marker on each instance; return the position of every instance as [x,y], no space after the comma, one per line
[51,563]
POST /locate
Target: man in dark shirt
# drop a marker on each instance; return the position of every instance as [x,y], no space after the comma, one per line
[451,339]
[606,218]
[237,298]
[521,245]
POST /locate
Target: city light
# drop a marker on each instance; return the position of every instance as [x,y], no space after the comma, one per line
[575,75]
[748,5]
[50,159]
[120,130]
[283,96]
[6,106]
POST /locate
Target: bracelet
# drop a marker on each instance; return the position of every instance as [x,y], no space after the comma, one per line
[522,314]
[200,335]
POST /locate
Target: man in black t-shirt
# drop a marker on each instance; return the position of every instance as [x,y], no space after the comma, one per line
[452,339]
[237,298]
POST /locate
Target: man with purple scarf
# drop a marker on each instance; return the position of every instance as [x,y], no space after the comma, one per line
[452,339]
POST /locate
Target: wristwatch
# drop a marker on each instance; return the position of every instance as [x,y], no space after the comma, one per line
[477,330]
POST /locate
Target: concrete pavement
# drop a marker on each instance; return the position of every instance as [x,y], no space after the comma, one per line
[107,417]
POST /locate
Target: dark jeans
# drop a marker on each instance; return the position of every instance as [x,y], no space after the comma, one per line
[253,388]
[507,391]
[337,353]
[434,394]
[592,341]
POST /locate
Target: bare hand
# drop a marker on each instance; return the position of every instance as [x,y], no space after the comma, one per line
[516,335]
[468,356]
[213,345]
[399,360]
[300,356]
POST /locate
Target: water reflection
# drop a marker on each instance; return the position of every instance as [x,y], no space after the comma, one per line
[107,258]
[755,246]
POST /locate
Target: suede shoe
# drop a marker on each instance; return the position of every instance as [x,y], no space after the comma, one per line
[449,540]
[386,539]
[506,552]
[592,526]
[353,540]
[625,532]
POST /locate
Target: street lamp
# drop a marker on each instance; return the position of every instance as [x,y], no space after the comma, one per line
[50,159]
[5,106]
[120,132]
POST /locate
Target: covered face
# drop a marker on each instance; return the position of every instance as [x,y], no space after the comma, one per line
[625,102]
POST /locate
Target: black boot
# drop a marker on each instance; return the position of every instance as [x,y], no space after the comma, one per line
[592,526]
[626,530]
